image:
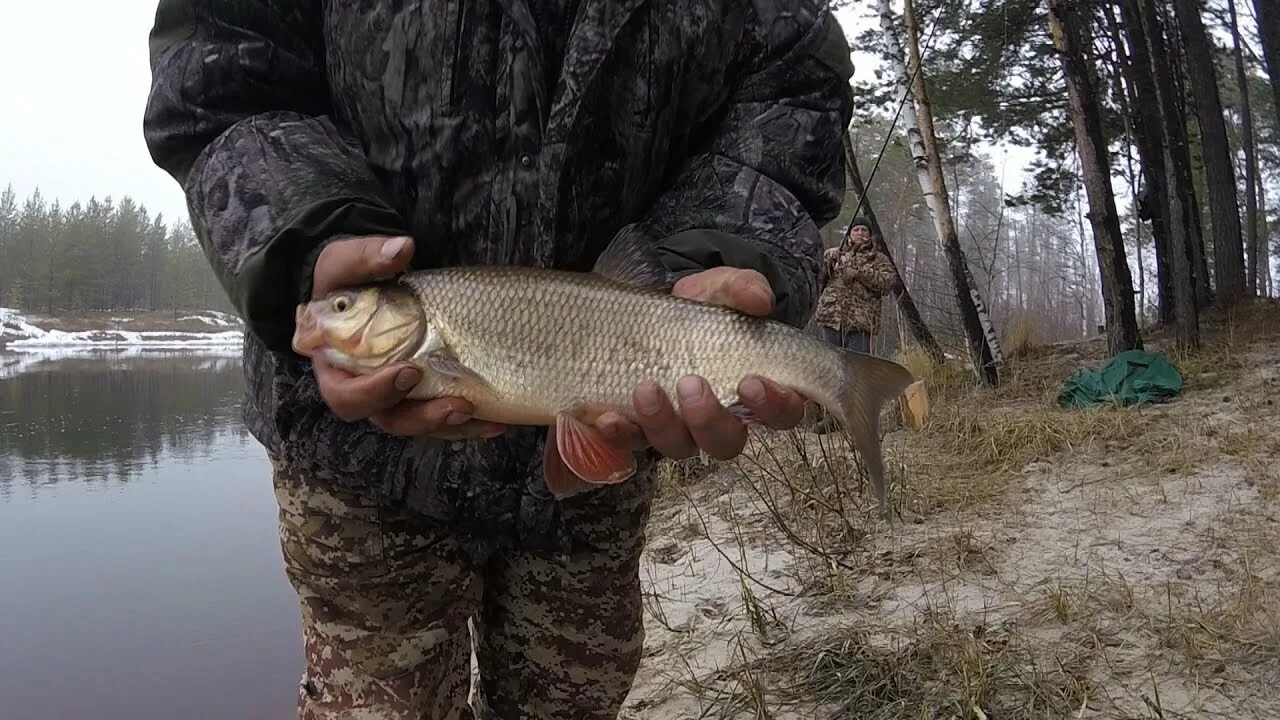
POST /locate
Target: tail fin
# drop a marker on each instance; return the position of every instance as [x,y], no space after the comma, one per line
[868,382]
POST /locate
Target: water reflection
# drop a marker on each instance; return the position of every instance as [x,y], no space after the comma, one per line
[140,571]
[102,417]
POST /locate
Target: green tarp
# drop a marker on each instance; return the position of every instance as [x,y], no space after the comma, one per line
[1132,377]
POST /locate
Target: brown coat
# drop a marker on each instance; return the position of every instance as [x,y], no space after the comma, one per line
[857,280]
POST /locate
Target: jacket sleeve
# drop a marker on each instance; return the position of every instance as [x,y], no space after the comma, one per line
[875,272]
[238,114]
[773,171]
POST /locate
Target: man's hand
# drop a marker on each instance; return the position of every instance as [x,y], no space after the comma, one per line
[702,423]
[380,397]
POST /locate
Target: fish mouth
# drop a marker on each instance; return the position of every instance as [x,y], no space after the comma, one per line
[308,338]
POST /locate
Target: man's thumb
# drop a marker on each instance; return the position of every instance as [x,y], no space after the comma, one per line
[392,251]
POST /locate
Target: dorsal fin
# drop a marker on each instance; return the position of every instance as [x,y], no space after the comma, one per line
[632,260]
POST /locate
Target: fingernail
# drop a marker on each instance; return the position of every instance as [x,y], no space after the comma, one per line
[647,400]
[752,390]
[457,418]
[408,378]
[690,389]
[392,248]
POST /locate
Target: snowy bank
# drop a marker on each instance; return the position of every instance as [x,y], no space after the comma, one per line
[214,318]
[20,334]
[14,326]
[127,338]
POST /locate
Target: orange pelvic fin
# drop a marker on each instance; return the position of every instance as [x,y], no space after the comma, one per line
[560,479]
[578,455]
[588,454]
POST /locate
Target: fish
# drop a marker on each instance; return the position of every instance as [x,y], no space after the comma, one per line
[557,348]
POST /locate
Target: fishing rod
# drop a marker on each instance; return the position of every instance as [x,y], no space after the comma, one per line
[893,124]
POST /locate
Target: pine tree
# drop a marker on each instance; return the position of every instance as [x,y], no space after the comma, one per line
[1070,34]
[1224,206]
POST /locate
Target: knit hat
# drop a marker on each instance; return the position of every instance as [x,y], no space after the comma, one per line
[859,221]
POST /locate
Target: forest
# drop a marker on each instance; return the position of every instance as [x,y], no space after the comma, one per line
[1152,191]
[99,255]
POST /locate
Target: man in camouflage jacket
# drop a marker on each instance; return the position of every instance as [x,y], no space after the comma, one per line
[531,132]
[859,276]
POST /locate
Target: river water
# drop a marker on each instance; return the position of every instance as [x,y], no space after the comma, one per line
[140,573]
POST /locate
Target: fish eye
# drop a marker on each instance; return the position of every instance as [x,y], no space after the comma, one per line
[341,304]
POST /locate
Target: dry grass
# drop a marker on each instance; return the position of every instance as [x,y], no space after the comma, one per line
[1021,336]
[941,667]
[1165,603]
[944,382]
[968,454]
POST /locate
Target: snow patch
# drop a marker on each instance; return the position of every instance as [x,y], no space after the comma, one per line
[14,325]
[115,338]
[19,335]
[215,319]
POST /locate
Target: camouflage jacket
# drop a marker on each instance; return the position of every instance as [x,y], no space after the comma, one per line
[709,128]
[858,279]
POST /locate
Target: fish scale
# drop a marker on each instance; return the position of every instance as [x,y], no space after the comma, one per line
[574,337]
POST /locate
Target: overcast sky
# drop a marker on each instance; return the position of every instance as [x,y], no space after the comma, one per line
[75,84]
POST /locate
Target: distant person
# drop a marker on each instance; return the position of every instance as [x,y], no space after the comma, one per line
[326,145]
[859,276]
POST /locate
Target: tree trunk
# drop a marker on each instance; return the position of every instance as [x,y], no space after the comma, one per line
[1196,233]
[1250,158]
[984,348]
[1224,205]
[1142,266]
[1265,283]
[1199,258]
[1017,266]
[906,305]
[1070,37]
[1176,162]
[1268,15]
[1148,133]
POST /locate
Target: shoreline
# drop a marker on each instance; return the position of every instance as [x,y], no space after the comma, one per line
[64,333]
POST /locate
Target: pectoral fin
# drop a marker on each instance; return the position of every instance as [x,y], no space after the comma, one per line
[588,454]
[451,367]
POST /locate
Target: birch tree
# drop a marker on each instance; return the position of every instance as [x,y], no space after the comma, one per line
[983,345]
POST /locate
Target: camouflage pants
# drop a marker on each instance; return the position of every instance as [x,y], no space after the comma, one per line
[393,606]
